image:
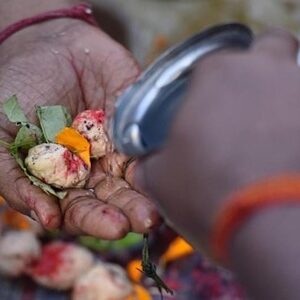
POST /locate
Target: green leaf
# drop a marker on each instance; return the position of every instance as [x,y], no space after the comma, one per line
[131,239]
[5,144]
[46,187]
[67,116]
[96,244]
[13,110]
[53,119]
[37,182]
[27,137]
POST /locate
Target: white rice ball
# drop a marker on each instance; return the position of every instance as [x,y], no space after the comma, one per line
[57,166]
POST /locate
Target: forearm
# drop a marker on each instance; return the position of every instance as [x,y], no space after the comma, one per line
[265,254]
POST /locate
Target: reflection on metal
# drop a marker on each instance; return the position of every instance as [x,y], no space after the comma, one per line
[144,112]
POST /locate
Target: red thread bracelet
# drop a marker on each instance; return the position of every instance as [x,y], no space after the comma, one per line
[283,190]
[81,11]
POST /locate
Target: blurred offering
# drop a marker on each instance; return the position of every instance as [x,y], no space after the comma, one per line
[92,269]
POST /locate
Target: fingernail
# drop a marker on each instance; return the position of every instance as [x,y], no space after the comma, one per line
[148,223]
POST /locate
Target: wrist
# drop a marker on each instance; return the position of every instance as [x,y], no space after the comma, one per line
[265,251]
[47,26]
[15,10]
[244,204]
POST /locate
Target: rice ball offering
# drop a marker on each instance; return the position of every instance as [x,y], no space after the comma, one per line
[103,282]
[18,249]
[90,124]
[57,166]
[60,265]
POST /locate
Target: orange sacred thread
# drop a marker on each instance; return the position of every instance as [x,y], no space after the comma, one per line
[281,190]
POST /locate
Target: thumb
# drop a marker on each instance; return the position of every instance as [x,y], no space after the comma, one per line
[26,198]
[144,176]
[135,175]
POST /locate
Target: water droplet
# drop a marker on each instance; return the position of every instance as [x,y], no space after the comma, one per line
[88,11]
[54,51]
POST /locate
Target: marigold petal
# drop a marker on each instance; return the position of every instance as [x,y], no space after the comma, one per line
[75,142]
[15,219]
[133,270]
[2,201]
[139,293]
[176,250]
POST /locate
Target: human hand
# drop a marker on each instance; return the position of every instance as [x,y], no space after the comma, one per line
[71,63]
[238,124]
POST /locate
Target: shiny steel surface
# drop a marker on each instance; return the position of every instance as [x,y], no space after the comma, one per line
[144,112]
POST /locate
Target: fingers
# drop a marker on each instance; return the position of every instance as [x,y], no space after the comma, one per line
[25,197]
[131,177]
[278,43]
[130,174]
[97,174]
[109,186]
[141,212]
[114,164]
[118,165]
[85,214]
[44,206]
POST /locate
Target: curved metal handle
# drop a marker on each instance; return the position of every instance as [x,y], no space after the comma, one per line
[144,112]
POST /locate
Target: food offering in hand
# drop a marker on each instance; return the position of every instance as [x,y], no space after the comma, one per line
[56,155]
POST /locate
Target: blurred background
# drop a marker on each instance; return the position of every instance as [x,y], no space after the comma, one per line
[147,27]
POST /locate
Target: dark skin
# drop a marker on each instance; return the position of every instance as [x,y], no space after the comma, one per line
[71,63]
[238,124]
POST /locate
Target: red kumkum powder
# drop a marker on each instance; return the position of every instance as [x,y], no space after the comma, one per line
[50,261]
[96,115]
[72,161]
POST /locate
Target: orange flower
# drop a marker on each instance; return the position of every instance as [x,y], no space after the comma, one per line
[15,220]
[133,270]
[75,142]
[139,293]
[177,249]
[160,42]
[2,201]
